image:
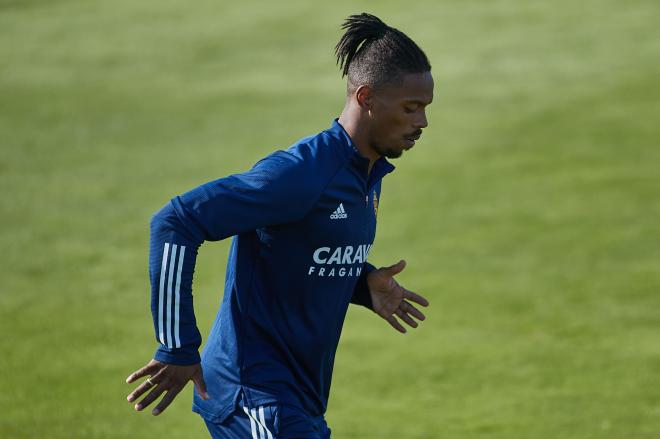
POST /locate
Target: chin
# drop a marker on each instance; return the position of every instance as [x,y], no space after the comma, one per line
[393,153]
[390,153]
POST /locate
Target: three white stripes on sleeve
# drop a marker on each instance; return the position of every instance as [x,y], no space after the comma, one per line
[259,423]
[257,418]
[165,317]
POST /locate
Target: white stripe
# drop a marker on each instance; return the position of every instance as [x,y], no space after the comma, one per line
[169,297]
[253,424]
[161,292]
[177,341]
[261,428]
[262,418]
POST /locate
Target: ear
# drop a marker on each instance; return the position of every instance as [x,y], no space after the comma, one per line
[364,97]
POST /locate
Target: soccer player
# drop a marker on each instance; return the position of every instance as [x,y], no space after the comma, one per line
[303,222]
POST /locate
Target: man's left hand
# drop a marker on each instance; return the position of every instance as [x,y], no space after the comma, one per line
[390,299]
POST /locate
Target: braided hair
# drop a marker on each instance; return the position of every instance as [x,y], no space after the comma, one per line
[373,53]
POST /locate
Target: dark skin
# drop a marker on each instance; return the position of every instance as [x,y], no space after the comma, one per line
[387,120]
[381,121]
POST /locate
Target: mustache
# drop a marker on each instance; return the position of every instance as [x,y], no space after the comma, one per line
[415,135]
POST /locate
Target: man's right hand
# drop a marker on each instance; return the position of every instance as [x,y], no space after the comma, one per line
[168,378]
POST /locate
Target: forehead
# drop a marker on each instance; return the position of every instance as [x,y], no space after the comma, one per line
[415,87]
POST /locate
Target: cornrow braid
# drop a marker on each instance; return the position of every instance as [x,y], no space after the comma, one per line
[371,52]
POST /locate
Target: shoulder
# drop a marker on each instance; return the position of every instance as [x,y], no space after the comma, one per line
[312,160]
[324,150]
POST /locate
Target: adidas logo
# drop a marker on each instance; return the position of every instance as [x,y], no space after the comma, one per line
[339,213]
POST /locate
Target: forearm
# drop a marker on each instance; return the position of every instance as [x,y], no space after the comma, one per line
[173,253]
[361,294]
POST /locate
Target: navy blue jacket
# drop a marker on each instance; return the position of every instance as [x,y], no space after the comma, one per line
[303,222]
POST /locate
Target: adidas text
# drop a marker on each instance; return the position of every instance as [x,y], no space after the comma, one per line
[339,213]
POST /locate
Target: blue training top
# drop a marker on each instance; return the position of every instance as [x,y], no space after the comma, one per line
[304,220]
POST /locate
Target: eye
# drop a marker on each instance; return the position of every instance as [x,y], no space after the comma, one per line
[408,109]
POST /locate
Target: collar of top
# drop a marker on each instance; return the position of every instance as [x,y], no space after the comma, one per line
[381,166]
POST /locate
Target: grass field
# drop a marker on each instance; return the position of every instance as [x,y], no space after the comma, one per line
[529,213]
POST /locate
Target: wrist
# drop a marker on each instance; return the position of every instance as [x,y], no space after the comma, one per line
[184,356]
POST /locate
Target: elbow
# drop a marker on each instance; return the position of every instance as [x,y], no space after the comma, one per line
[167,221]
[163,218]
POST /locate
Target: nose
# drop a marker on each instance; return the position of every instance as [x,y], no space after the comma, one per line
[422,122]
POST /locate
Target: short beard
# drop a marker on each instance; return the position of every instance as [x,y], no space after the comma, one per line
[385,152]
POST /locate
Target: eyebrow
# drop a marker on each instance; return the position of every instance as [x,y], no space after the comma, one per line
[416,101]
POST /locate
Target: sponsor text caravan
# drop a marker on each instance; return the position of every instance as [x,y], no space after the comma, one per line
[339,261]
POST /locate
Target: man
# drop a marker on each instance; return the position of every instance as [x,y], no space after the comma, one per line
[303,222]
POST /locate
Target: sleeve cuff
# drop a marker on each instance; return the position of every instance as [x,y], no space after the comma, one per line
[361,294]
[185,356]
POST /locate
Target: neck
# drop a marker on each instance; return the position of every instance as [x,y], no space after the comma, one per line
[350,120]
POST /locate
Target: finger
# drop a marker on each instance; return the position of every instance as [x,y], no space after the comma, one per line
[410,309]
[395,324]
[415,297]
[167,400]
[135,394]
[152,381]
[151,397]
[406,318]
[200,385]
[395,269]
[149,369]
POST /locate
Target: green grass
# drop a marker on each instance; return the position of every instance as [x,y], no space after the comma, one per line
[529,214]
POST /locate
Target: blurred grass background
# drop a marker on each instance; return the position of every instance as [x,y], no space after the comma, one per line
[529,212]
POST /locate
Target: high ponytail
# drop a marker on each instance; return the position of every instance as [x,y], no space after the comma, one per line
[371,52]
[360,29]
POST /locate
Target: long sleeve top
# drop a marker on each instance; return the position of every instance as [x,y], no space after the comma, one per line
[303,222]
